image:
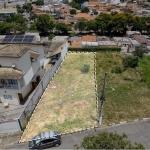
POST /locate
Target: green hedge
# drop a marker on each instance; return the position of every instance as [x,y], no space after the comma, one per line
[94,49]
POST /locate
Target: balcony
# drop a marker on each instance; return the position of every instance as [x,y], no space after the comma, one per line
[9,86]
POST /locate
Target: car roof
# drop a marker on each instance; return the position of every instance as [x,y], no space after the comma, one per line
[46,135]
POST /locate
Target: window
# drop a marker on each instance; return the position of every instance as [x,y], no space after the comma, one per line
[14,82]
[8,97]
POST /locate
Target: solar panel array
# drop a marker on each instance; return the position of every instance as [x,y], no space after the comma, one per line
[18,39]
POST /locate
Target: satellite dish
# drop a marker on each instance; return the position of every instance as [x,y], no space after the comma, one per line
[13,65]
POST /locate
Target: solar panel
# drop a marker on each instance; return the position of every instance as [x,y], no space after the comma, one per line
[8,38]
[28,39]
[18,38]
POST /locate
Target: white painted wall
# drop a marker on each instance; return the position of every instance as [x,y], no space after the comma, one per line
[27,90]
[7,61]
[14,95]
[25,62]
[31,70]
[39,49]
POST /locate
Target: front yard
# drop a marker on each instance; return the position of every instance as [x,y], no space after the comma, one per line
[69,102]
[127,93]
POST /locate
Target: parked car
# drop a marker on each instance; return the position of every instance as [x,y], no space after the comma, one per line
[45,140]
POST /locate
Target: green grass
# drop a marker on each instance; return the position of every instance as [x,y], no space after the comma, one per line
[130,98]
[144,65]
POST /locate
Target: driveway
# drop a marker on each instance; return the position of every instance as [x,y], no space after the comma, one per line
[137,132]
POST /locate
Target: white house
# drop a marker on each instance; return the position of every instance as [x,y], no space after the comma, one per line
[122,41]
[21,67]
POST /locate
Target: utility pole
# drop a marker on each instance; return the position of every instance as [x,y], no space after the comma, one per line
[102,98]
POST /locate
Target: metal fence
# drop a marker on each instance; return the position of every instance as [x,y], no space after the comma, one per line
[24,117]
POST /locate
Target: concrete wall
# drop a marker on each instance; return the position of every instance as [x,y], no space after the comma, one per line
[6,127]
[8,139]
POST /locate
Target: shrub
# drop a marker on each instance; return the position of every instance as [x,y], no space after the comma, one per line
[94,49]
[130,61]
[139,51]
[51,36]
[116,70]
[85,68]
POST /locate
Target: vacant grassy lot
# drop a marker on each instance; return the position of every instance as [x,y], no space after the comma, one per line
[69,103]
[127,94]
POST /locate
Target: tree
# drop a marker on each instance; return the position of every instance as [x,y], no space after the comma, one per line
[81,25]
[27,7]
[73,11]
[75,5]
[18,19]
[39,2]
[130,61]
[45,23]
[139,51]
[62,27]
[85,10]
[19,9]
[106,140]
[103,22]
[92,25]
[65,1]
[119,22]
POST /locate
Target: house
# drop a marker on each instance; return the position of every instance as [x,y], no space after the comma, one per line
[142,39]
[53,51]
[21,68]
[7,12]
[122,41]
[130,34]
[86,16]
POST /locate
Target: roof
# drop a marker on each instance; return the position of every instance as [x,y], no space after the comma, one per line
[10,73]
[14,50]
[84,15]
[133,32]
[135,43]
[53,46]
[76,44]
[34,54]
[60,38]
[107,43]
[141,39]
[90,38]
[75,38]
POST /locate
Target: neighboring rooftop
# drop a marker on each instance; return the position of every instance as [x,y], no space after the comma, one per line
[10,73]
[34,54]
[141,39]
[107,43]
[76,44]
[14,50]
[83,15]
[121,39]
[60,38]
[53,46]
[89,38]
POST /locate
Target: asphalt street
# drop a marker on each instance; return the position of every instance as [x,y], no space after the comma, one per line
[137,132]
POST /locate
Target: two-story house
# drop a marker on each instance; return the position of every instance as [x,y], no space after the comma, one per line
[21,68]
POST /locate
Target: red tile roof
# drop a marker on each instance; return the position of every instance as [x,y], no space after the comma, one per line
[89,38]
